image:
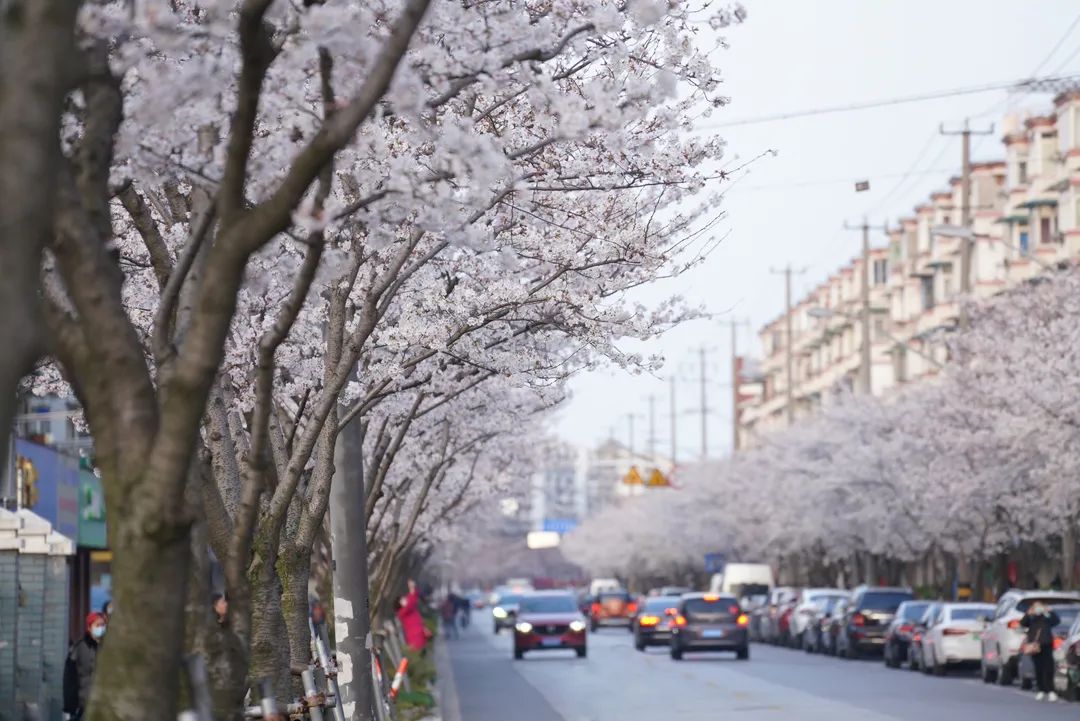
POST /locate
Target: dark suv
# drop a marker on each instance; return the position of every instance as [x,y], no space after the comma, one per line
[709,622]
[867,618]
[901,629]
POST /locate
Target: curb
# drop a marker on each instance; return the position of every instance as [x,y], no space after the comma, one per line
[446,687]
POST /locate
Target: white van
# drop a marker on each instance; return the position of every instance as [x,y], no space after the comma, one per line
[604,584]
[743,580]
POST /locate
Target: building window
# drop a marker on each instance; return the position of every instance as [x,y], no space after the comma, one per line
[1022,172]
[900,364]
[879,328]
[1046,230]
[881,272]
[1025,244]
[926,286]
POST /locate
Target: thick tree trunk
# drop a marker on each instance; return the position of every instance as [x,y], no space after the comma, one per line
[294,568]
[138,668]
[1068,555]
[269,646]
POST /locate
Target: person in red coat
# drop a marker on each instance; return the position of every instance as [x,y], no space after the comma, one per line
[412,623]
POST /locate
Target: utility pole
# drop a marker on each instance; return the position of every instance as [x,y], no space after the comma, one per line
[735,380]
[789,351]
[674,423]
[652,427]
[704,409]
[630,418]
[965,199]
[865,368]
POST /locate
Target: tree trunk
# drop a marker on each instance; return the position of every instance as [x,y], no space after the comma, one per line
[269,646]
[294,568]
[138,668]
[1068,555]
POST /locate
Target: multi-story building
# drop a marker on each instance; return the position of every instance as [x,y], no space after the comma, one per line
[1024,214]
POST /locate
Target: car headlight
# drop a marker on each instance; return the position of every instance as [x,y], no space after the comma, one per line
[577,626]
[524,627]
[499,612]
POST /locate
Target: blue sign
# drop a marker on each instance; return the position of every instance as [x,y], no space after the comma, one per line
[715,562]
[49,485]
[560,525]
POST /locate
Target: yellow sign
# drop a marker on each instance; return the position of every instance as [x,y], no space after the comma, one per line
[657,479]
[632,477]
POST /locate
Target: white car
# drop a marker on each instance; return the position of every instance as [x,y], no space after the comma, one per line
[1004,634]
[954,636]
[811,603]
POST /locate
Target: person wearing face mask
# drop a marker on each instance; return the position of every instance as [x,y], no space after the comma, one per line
[1039,621]
[79,667]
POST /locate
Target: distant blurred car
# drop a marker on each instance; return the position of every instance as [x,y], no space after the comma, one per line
[612,608]
[1026,667]
[651,624]
[918,632]
[954,636]
[812,636]
[807,606]
[770,620]
[477,598]
[709,622]
[898,634]
[549,620]
[830,626]
[867,617]
[504,611]
[1067,664]
[1003,636]
[669,591]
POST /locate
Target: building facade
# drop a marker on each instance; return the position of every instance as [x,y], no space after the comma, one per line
[1024,213]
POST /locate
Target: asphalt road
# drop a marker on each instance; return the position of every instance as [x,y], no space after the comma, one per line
[617,683]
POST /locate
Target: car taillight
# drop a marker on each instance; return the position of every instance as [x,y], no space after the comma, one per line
[907,628]
[649,620]
[1014,624]
[1058,642]
[743,620]
[671,612]
[955,632]
[917,637]
[631,608]
[680,621]
[858,619]
[733,610]
[596,609]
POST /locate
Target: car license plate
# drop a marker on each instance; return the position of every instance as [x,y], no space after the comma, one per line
[712,634]
[551,641]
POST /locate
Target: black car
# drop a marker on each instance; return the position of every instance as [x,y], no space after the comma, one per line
[814,635]
[651,624]
[867,617]
[709,622]
[898,634]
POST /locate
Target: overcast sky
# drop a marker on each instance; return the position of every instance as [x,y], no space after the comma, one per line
[794,55]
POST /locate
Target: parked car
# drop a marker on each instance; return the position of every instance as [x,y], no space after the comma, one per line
[831,624]
[709,622]
[651,627]
[1026,667]
[813,635]
[867,617]
[549,620]
[1001,642]
[1067,663]
[954,637]
[807,606]
[918,632]
[612,608]
[770,619]
[898,634]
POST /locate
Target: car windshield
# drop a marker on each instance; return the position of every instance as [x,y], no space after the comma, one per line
[547,604]
[742,590]
[826,601]
[1067,614]
[913,611]
[619,596]
[886,601]
[1025,604]
[661,603]
[716,608]
[971,613]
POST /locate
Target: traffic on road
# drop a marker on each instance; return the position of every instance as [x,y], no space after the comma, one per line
[825,653]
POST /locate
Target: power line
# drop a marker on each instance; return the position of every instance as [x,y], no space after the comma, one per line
[1017,84]
[833,181]
[1057,46]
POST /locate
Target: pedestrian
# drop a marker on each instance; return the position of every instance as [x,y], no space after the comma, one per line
[106,610]
[412,623]
[80,663]
[465,609]
[448,610]
[220,604]
[1039,620]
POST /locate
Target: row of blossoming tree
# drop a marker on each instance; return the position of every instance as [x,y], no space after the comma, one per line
[970,476]
[240,230]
